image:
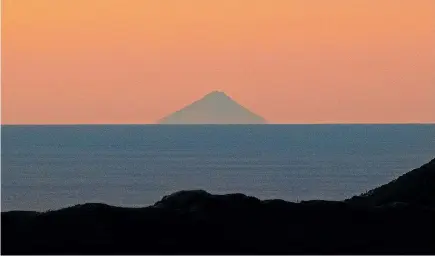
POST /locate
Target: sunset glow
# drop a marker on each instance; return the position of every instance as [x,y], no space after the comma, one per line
[290,61]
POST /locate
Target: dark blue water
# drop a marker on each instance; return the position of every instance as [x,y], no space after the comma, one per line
[49,167]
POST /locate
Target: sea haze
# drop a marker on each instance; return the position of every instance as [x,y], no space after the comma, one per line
[49,167]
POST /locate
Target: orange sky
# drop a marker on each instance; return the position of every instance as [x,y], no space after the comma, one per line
[291,61]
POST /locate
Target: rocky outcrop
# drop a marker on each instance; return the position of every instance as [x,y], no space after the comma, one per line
[415,187]
[393,220]
[196,222]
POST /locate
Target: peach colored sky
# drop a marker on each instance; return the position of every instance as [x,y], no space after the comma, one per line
[291,61]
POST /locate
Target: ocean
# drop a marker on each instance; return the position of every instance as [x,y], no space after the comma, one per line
[51,167]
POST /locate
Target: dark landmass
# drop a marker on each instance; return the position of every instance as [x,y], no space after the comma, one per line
[214,108]
[414,187]
[397,218]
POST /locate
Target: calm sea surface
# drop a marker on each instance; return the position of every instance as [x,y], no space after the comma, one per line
[49,167]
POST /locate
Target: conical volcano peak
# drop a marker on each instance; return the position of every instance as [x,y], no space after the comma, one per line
[217,94]
[214,108]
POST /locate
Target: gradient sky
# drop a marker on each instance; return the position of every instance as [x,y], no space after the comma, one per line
[291,61]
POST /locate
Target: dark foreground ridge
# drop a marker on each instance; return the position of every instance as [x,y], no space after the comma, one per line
[414,187]
[397,218]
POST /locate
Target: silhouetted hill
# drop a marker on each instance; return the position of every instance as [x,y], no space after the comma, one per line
[196,222]
[214,108]
[414,187]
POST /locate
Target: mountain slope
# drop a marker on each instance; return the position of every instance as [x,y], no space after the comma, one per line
[213,108]
[414,187]
[196,222]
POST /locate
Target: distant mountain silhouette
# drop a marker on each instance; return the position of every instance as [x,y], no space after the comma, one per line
[214,108]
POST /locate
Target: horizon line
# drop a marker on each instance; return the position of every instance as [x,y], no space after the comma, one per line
[266,124]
